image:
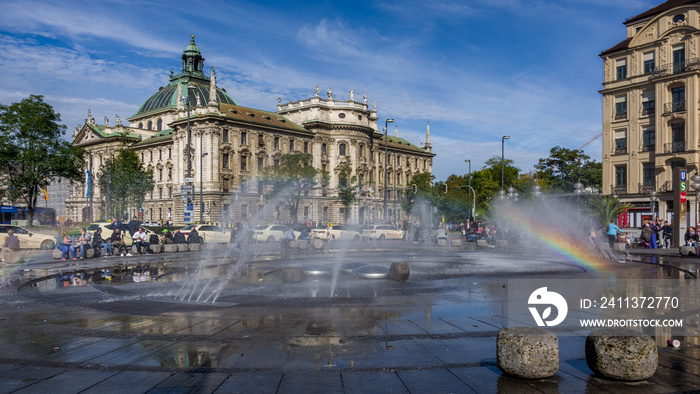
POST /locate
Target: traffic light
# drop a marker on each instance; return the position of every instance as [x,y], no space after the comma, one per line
[415,188]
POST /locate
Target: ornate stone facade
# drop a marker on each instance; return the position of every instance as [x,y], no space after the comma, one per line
[230,145]
[650,113]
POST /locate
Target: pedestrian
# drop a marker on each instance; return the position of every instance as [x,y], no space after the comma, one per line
[612,233]
[133,226]
[666,234]
[11,244]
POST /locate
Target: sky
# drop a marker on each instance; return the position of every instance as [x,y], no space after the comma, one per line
[477,70]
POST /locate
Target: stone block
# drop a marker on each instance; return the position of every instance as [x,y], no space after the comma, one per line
[89,253]
[481,243]
[399,271]
[619,247]
[57,254]
[156,248]
[441,242]
[182,247]
[687,250]
[291,275]
[195,247]
[170,248]
[621,354]
[294,244]
[317,244]
[456,243]
[502,243]
[303,244]
[527,352]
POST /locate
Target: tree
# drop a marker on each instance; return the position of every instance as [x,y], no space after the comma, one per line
[32,151]
[124,182]
[564,167]
[424,191]
[347,186]
[293,175]
[606,208]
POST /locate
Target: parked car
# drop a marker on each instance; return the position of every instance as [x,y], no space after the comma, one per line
[339,231]
[270,233]
[149,223]
[27,239]
[381,232]
[210,233]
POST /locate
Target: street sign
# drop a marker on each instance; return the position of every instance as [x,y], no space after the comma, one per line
[188,217]
[189,180]
[187,197]
[189,207]
[185,188]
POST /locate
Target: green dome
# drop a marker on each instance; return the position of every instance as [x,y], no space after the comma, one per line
[192,49]
[166,98]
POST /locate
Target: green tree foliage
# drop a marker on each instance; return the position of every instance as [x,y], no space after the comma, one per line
[606,208]
[32,151]
[564,167]
[424,191]
[289,179]
[347,186]
[124,182]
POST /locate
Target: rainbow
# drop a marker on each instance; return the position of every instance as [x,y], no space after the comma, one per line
[558,240]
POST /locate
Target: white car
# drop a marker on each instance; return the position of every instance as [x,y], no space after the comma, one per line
[209,233]
[149,224]
[270,233]
[381,232]
[27,239]
[338,232]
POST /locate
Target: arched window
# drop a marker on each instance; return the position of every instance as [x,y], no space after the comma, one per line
[140,125]
[341,150]
[160,124]
[150,125]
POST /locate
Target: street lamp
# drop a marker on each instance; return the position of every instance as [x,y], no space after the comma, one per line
[537,190]
[201,176]
[470,187]
[578,189]
[386,159]
[695,185]
[186,102]
[503,166]
[511,192]
[653,198]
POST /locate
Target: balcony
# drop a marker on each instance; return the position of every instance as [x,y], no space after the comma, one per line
[678,106]
[666,187]
[692,64]
[621,115]
[648,148]
[646,189]
[674,147]
[648,111]
[619,190]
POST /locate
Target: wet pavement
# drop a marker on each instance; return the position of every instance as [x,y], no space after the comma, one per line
[135,325]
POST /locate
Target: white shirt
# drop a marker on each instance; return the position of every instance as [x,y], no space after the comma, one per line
[138,236]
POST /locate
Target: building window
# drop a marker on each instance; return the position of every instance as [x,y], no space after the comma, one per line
[621,107]
[170,153]
[140,125]
[160,174]
[243,138]
[325,213]
[648,102]
[277,161]
[150,125]
[306,212]
[678,99]
[260,163]
[170,174]
[160,154]
[648,174]
[244,163]
[291,145]
[224,136]
[678,137]
[224,160]
[678,58]
[160,193]
[621,67]
[648,138]
[341,150]
[621,176]
[160,124]
[649,62]
[324,150]
[306,147]
[362,151]
[170,192]
[277,142]
[261,141]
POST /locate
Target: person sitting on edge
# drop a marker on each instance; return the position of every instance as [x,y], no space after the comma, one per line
[83,242]
[11,244]
[153,239]
[63,243]
[193,237]
[304,235]
[98,243]
[141,240]
[117,241]
[179,237]
[167,238]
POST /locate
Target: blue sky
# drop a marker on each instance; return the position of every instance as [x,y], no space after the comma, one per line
[477,69]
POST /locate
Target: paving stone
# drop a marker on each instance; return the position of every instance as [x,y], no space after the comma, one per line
[69,382]
[132,381]
[315,382]
[251,382]
[456,243]
[432,381]
[372,381]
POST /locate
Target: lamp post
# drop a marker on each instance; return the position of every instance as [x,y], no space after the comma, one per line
[503,165]
[186,102]
[696,185]
[537,190]
[469,177]
[386,160]
[578,189]
[653,198]
[201,176]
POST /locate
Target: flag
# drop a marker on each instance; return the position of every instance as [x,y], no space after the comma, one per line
[89,182]
[46,195]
